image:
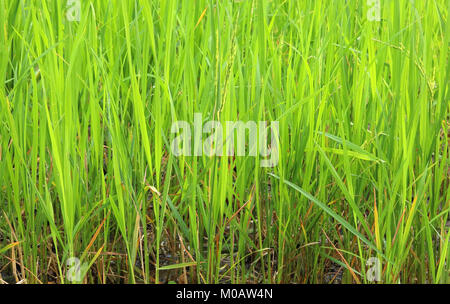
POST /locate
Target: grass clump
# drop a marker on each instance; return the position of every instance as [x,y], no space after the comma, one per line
[86,170]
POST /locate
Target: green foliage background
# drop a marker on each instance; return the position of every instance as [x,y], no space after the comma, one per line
[86,170]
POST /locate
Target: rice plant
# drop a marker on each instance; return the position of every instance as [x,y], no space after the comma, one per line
[91,191]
